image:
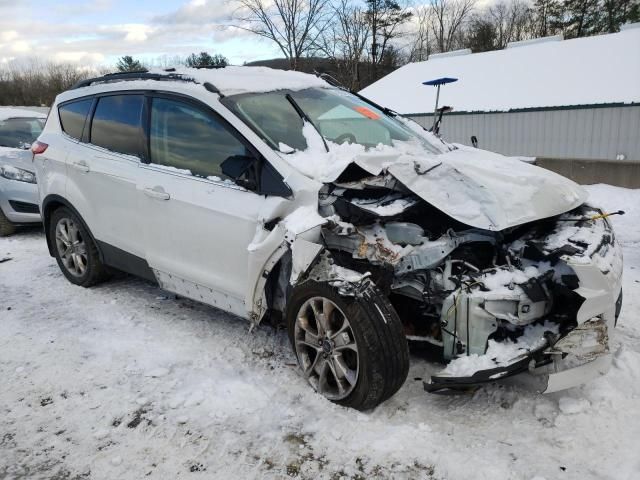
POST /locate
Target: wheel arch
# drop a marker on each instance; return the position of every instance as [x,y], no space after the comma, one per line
[49,205]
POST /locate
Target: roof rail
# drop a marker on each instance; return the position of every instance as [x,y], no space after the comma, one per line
[137,75]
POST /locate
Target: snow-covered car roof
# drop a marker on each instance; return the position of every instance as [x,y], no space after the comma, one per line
[227,80]
[15,112]
[234,80]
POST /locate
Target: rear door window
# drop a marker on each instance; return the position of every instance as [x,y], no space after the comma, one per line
[73,116]
[190,139]
[116,124]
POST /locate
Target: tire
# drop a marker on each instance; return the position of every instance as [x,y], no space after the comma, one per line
[382,362]
[6,227]
[74,249]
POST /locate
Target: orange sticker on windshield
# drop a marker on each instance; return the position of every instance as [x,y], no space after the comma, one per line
[367,113]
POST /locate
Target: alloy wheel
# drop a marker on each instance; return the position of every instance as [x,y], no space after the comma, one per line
[326,348]
[71,247]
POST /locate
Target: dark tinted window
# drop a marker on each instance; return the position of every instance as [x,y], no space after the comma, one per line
[116,124]
[20,132]
[185,137]
[73,115]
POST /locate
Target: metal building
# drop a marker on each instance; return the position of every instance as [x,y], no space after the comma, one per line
[555,98]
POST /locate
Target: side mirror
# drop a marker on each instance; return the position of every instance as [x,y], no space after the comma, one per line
[240,169]
[247,171]
[474,141]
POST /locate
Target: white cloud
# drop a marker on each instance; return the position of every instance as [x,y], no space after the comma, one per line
[85,58]
[8,36]
[193,26]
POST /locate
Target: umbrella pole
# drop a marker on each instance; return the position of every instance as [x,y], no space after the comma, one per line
[435,111]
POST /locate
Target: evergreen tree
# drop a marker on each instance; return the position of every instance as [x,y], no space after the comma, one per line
[385,18]
[128,64]
[482,36]
[549,17]
[581,18]
[615,13]
[203,59]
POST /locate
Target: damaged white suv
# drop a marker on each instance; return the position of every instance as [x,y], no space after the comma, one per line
[271,193]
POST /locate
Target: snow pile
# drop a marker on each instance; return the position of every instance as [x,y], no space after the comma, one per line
[570,72]
[315,162]
[16,112]
[612,199]
[500,354]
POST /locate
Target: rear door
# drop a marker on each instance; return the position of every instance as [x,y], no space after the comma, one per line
[198,223]
[103,172]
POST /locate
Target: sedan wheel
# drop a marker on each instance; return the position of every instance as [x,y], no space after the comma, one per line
[326,348]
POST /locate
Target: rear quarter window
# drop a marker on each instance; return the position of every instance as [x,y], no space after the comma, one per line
[116,124]
[73,116]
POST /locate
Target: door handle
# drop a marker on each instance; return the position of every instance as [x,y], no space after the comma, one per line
[82,166]
[156,192]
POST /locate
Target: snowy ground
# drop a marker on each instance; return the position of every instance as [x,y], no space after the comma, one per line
[124,381]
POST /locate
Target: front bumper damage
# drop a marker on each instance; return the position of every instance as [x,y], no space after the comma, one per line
[568,354]
[580,356]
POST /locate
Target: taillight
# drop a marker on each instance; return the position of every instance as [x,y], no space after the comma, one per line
[38,147]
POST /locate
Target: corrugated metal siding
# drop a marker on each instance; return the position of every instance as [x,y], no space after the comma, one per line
[590,133]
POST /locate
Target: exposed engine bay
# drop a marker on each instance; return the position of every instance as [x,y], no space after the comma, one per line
[494,303]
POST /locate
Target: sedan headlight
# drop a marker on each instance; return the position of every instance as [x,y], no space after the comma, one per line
[18,174]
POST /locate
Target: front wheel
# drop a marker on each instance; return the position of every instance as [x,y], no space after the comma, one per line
[351,349]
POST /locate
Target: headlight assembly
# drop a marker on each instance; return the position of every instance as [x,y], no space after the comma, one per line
[18,174]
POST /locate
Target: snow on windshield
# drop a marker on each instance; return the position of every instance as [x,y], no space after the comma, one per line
[317,163]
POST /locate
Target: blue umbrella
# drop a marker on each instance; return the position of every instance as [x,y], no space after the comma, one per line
[437,82]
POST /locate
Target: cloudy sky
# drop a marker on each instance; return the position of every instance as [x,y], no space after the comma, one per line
[97,32]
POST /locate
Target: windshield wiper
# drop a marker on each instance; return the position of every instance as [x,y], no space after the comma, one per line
[305,118]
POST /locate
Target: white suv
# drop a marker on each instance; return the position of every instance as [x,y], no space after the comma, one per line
[264,192]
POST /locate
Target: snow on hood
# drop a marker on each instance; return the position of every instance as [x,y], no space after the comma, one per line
[476,187]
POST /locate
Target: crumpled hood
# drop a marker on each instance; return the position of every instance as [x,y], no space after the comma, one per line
[480,188]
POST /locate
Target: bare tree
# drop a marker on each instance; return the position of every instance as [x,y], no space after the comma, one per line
[421,47]
[447,21]
[293,25]
[512,21]
[35,82]
[345,41]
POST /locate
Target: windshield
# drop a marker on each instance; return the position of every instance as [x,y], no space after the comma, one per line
[341,117]
[20,132]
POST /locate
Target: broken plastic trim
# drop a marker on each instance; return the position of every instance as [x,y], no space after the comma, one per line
[438,384]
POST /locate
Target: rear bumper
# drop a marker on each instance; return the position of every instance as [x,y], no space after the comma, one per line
[19,201]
